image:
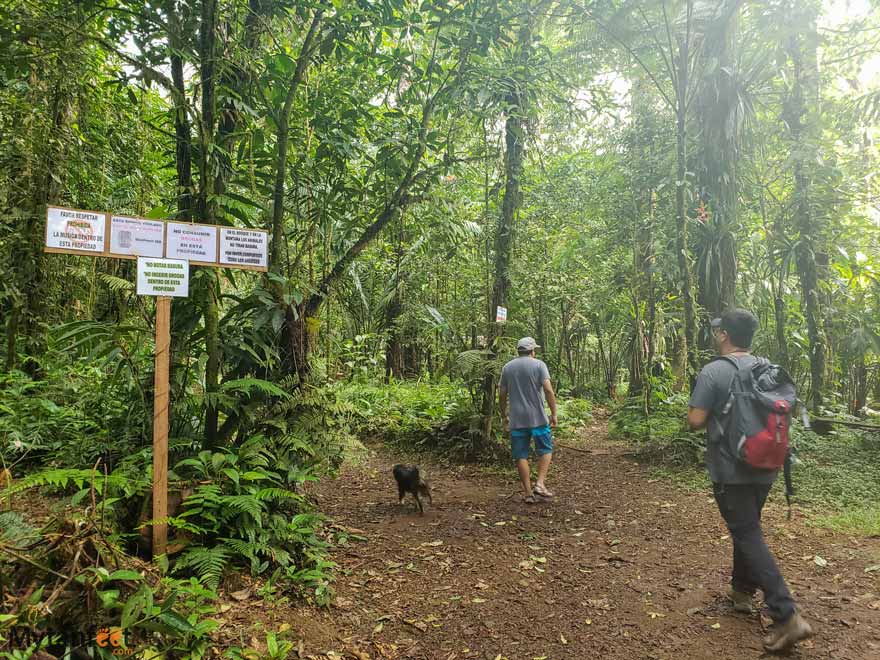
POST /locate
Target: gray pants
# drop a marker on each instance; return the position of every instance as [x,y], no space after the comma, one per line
[753,564]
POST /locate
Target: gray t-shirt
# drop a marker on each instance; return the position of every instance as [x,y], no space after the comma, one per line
[523,379]
[710,393]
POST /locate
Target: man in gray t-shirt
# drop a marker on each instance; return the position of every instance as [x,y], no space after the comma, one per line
[525,382]
[740,490]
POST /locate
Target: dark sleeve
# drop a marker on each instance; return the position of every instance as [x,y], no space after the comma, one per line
[706,393]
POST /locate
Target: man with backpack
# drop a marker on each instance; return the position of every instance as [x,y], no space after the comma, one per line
[745,403]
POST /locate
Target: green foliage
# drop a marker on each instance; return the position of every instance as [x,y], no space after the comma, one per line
[245,509]
[435,415]
[275,650]
[69,418]
[14,531]
[840,470]
[661,435]
[172,614]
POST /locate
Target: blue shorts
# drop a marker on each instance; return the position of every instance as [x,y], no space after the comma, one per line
[520,440]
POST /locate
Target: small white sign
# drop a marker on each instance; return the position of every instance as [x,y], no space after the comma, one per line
[244,247]
[500,314]
[69,230]
[197,243]
[162,277]
[137,236]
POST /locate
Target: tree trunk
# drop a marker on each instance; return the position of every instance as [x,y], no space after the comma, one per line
[11,335]
[398,201]
[688,339]
[206,207]
[290,343]
[801,49]
[394,356]
[861,387]
[182,132]
[651,330]
[514,140]
[719,118]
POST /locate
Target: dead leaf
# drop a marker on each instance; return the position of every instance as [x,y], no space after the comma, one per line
[378,628]
[819,561]
[871,569]
[562,638]
[433,544]
[241,595]
[599,603]
[418,625]
[715,626]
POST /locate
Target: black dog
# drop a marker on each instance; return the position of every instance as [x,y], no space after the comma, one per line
[410,481]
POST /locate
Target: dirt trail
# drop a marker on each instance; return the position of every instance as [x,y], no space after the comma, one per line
[619,565]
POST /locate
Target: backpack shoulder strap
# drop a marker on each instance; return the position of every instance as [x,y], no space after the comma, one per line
[726,358]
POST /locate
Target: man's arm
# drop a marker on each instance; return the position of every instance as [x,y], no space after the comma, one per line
[502,404]
[697,418]
[704,399]
[550,395]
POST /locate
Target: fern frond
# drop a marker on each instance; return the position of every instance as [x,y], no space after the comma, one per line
[474,363]
[246,385]
[277,495]
[116,284]
[207,563]
[15,532]
[64,477]
[244,504]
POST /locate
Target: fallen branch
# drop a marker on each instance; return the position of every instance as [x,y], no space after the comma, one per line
[30,561]
[583,451]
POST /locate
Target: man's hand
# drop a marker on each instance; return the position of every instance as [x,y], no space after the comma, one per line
[550,395]
[697,418]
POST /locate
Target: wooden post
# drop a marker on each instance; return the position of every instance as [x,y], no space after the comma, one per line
[160,424]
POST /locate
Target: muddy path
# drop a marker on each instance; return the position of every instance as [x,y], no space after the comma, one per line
[619,565]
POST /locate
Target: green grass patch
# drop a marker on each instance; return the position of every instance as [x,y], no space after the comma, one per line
[860,522]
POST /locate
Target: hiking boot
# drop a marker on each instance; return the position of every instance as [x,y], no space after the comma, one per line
[742,602]
[786,635]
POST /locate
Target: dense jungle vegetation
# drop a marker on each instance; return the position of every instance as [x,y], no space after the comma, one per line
[615,173]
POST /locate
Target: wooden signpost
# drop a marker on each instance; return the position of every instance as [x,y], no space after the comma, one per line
[164,251]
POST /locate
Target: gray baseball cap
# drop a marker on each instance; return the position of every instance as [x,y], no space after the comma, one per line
[527,344]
